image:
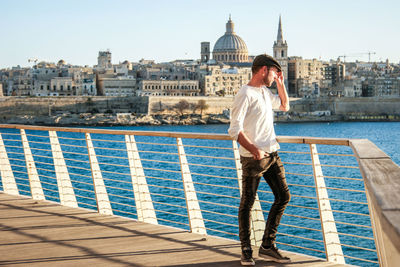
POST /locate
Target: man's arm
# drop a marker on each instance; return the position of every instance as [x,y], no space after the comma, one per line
[244,141]
[282,92]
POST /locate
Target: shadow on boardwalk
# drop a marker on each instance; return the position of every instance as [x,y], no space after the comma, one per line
[40,233]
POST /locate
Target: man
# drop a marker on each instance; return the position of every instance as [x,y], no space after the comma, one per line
[252,126]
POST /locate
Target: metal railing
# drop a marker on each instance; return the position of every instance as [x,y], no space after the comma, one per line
[192,181]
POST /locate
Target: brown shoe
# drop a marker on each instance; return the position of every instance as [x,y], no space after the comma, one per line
[272,254]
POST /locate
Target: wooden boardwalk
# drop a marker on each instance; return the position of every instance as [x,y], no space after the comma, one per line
[41,233]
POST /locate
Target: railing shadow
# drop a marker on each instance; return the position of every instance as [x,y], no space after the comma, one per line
[89,253]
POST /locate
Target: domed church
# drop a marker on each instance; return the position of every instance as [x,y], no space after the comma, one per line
[230,47]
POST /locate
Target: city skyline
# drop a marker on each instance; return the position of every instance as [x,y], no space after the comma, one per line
[164,31]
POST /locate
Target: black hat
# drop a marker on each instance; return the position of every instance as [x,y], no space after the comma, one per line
[266,60]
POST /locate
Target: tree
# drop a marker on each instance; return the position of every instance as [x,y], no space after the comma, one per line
[182,105]
[220,92]
[202,105]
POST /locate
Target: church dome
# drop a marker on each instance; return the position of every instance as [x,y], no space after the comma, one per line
[231,42]
[61,62]
[230,47]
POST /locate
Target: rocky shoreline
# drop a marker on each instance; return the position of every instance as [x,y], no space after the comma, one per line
[119,119]
[128,119]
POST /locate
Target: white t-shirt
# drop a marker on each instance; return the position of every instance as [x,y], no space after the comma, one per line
[252,114]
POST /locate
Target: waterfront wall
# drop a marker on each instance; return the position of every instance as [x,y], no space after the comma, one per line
[42,106]
[348,106]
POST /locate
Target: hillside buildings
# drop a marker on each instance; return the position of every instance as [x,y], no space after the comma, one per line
[220,71]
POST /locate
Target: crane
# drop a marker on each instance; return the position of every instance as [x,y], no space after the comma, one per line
[369,53]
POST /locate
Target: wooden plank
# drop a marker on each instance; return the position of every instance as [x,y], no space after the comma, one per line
[41,233]
[313,140]
[382,177]
[290,139]
[365,149]
[326,141]
[120,132]
[391,224]
[382,180]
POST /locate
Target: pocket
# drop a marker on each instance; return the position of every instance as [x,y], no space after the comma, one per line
[261,166]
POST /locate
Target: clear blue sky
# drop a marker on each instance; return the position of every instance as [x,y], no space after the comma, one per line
[164,30]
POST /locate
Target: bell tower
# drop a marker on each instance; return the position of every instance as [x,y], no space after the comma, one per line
[280,46]
[280,49]
[205,51]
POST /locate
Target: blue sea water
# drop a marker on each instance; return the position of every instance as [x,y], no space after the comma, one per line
[116,174]
[386,135]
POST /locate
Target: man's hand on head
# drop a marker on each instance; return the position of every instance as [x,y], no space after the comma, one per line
[279,78]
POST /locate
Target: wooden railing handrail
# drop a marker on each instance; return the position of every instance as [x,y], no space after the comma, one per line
[281,139]
[382,180]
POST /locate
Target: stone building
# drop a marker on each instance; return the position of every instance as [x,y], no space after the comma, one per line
[334,73]
[382,86]
[19,82]
[168,88]
[116,85]
[62,86]
[352,87]
[87,87]
[225,80]
[62,80]
[104,60]
[304,76]
[230,47]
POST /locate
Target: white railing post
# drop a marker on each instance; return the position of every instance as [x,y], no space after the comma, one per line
[7,175]
[65,189]
[194,212]
[257,216]
[333,247]
[102,200]
[144,204]
[34,181]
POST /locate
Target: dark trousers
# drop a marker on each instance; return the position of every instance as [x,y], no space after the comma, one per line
[271,168]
